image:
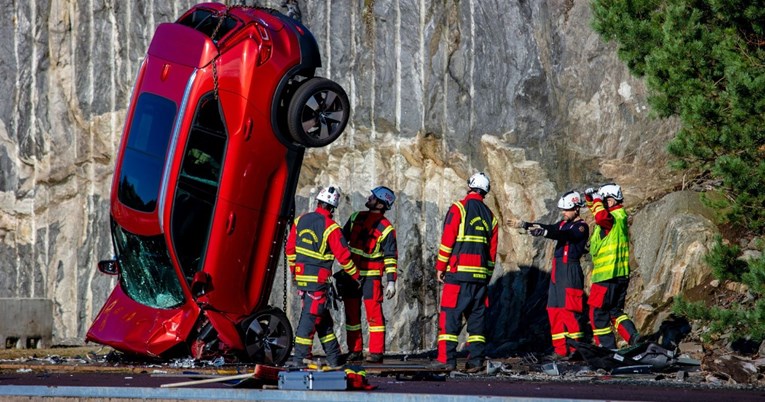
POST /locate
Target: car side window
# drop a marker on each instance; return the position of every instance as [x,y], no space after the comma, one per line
[197,188]
[144,155]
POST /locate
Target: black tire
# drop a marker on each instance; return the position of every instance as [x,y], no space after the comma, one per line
[318,112]
[268,337]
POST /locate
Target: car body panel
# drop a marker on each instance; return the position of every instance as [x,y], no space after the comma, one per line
[190,48]
[130,326]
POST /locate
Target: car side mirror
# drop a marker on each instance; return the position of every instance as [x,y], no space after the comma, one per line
[109,267]
[200,284]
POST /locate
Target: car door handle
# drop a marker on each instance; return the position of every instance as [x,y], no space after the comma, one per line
[248,129]
[230,223]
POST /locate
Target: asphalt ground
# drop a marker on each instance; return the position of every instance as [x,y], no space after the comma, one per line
[147,384]
[86,374]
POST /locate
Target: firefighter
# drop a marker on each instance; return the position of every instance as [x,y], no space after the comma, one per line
[372,241]
[314,242]
[610,250]
[464,266]
[565,298]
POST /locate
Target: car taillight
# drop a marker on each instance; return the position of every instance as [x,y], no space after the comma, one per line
[264,51]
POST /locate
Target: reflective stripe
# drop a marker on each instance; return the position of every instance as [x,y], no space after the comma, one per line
[391,261]
[443,258]
[310,253]
[602,331]
[307,278]
[448,338]
[621,318]
[559,336]
[473,270]
[575,335]
[445,249]
[369,273]
[385,233]
[353,327]
[362,372]
[351,271]
[476,338]
[380,328]
[303,341]
[328,338]
[473,239]
[390,270]
[376,255]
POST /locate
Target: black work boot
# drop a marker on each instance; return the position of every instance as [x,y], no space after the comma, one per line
[438,366]
[634,339]
[473,368]
[374,358]
[355,357]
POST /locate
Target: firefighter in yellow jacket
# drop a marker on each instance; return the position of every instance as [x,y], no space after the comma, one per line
[610,250]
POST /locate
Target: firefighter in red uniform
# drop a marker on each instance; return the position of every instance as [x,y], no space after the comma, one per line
[314,242]
[610,250]
[565,298]
[465,264]
[372,241]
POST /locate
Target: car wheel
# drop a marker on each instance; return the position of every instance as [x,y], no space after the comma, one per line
[318,112]
[268,338]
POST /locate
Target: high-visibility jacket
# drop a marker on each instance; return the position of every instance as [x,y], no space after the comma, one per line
[469,243]
[609,243]
[372,241]
[315,240]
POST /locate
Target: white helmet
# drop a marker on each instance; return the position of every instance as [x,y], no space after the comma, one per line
[570,200]
[384,195]
[329,195]
[479,181]
[611,190]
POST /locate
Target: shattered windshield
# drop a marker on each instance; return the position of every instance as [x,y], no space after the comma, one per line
[146,272]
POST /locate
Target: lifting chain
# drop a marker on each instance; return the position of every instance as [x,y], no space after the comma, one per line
[286,267]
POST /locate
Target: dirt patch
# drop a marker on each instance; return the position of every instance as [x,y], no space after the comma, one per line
[67,351]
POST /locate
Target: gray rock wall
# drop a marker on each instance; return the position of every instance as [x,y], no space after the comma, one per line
[524,91]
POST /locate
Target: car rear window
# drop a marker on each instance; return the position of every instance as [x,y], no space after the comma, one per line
[144,155]
[206,22]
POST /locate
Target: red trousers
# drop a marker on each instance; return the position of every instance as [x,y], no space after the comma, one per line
[372,294]
[565,304]
[458,300]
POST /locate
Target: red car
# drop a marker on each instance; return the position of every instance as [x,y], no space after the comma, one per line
[223,107]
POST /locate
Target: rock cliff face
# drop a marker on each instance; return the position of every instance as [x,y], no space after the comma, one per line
[524,91]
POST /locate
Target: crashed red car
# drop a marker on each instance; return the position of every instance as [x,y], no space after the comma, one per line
[223,107]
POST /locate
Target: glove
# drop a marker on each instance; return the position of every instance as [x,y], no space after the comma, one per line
[517,223]
[588,194]
[537,231]
[390,290]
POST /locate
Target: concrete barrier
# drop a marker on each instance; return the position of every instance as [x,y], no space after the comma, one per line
[26,323]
